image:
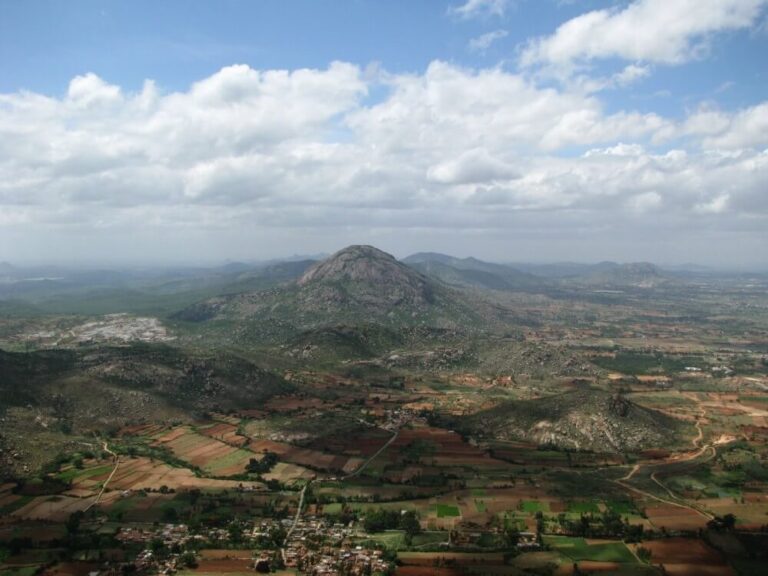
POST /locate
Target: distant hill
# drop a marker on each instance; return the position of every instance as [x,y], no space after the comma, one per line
[471,272]
[585,419]
[7,269]
[359,284]
[634,274]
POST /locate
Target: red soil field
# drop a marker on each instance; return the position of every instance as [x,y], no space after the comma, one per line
[226,433]
[688,557]
[674,517]
[139,473]
[301,456]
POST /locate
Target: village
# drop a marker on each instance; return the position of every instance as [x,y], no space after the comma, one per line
[316,546]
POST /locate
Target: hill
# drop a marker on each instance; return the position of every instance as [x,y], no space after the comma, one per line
[50,399]
[585,419]
[607,274]
[472,273]
[635,274]
[359,284]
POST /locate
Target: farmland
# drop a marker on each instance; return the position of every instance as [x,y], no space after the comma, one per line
[606,433]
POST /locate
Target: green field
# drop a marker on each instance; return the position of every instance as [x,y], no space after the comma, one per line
[72,473]
[334,508]
[395,539]
[623,507]
[235,457]
[583,507]
[447,511]
[533,506]
[578,550]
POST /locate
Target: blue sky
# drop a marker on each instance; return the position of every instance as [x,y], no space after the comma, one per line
[44,44]
[510,129]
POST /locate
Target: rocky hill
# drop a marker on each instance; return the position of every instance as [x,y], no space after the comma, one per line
[585,419]
[364,275]
[359,284]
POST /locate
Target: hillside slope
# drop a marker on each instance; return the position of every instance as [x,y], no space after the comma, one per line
[359,284]
[51,400]
[473,273]
[584,419]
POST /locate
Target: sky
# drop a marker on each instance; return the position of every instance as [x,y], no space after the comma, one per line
[183,131]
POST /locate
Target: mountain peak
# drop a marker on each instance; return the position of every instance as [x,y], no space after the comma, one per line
[368,278]
[357,263]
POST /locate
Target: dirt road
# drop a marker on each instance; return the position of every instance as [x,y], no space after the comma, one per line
[116,458]
[372,458]
[696,453]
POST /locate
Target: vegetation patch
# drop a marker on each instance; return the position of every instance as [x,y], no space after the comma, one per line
[447,511]
[577,549]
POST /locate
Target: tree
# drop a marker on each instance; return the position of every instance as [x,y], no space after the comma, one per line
[511,536]
[73,522]
[170,515]
[644,554]
[409,523]
[157,546]
[188,559]
[235,531]
[264,465]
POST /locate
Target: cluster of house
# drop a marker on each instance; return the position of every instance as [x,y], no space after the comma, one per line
[397,418]
[147,562]
[170,534]
[320,548]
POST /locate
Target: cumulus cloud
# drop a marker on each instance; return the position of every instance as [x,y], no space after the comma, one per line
[716,205]
[631,74]
[475,165]
[480,8]
[91,90]
[663,31]
[447,148]
[484,41]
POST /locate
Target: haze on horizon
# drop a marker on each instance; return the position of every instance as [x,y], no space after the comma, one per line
[512,131]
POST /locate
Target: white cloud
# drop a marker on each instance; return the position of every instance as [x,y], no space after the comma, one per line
[663,31]
[475,165]
[484,41]
[448,105]
[480,8]
[91,90]
[631,74]
[717,205]
[450,147]
[747,128]
[645,202]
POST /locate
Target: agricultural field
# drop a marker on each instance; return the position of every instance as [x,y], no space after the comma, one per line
[204,451]
[609,433]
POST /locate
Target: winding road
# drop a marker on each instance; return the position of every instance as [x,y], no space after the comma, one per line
[699,450]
